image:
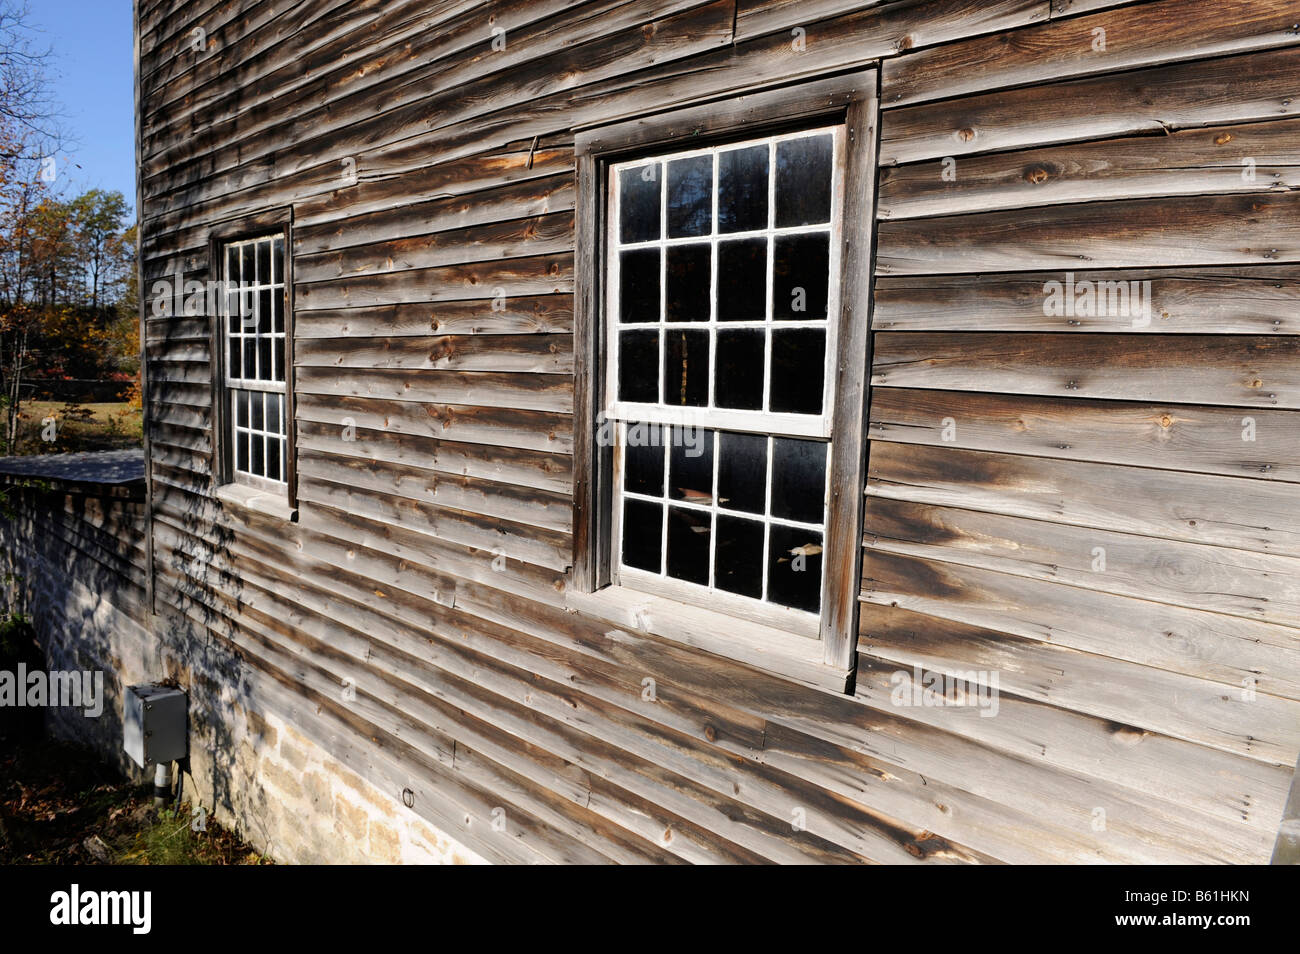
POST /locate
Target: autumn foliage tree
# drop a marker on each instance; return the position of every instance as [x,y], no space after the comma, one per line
[88,326]
[66,264]
[26,137]
[28,243]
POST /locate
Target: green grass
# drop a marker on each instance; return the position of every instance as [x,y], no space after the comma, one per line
[167,837]
[78,427]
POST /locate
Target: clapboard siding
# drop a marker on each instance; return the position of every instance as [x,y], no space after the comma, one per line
[1257,157]
[1127,234]
[1142,35]
[56,531]
[1207,440]
[1234,512]
[1081,513]
[1254,371]
[1235,582]
[1152,101]
[431,178]
[1203,301]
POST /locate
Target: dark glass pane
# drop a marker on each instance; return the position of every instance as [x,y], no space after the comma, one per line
[264,312]
[742,189]
[250,359]
[688,544]
[241,408]
[247,263]
[638,366]
[742,471]
[686,368]
[690,196]
[742,280]
[740,370]
[277,303]
[798,370]
[241,451]
[247,310]
[794,568]
[277,261]
[738,566]
[257,463]
[643,535]
[689,268]
[275,413]
[232,264]
[638,294]
[643,459]
[263,262]
[230,300]
[273,459]
[690,465]
[799,480]
[638,196]
[800,276]
[264,349]
[258,408]
[234,360]
[803,181]
[277,345]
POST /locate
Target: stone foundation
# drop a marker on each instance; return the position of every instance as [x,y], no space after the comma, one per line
[248,768]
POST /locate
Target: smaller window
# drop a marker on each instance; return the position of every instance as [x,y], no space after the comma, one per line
[256,399]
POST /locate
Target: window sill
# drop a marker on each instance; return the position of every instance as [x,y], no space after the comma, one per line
[763,647]
[266,502]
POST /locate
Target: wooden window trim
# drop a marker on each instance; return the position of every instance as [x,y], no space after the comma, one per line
[228,489]
[848,98]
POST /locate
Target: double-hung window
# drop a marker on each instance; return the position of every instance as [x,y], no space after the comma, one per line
[255,368]
[723,316]
[253,373]
[721,277]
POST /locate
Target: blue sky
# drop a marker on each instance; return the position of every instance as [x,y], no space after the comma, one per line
[93,49]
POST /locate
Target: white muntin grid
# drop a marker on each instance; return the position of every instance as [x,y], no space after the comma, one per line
[761,422]
[254,337]
[764,420]
[797,620]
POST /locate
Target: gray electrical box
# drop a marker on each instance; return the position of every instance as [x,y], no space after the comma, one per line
[154,724]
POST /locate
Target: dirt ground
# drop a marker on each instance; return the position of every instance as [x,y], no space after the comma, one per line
[60,805]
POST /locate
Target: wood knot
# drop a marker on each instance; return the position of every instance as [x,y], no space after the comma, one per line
[1036,175]
[1126,735]
[711,733]
[924,845]
[1166,420]
[1222,139]
[966,135]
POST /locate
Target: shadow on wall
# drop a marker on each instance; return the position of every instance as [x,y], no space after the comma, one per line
[73,563]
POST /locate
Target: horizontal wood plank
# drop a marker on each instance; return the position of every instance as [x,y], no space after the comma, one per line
[1261,443]
[1254,371]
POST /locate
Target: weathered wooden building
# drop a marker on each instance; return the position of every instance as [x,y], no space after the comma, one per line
[735,431]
